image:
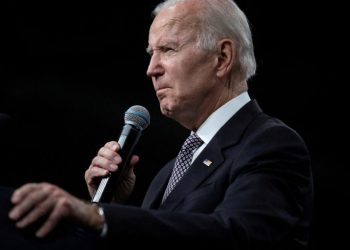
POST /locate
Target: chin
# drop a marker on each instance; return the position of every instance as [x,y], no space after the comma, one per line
[166,111]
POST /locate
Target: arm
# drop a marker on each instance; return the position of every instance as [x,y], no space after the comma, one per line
[51,204]
[47,202]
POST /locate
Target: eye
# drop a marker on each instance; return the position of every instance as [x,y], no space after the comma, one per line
[166,49]
[161,49]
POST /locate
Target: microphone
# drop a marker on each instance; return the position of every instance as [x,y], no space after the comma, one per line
[136,119]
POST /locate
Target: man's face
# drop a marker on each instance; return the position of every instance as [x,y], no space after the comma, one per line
[183,75]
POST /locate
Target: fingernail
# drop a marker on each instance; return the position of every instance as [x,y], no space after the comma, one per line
[14,198]
[114,147]
[39,234]
[113,167]
[20,224]
[13,215]
[117,159]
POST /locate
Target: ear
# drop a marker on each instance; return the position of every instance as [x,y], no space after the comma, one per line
[226,57]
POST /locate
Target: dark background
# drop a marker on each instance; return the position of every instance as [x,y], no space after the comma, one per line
[70,69]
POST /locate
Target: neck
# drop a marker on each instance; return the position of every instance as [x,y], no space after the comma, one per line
[205,110]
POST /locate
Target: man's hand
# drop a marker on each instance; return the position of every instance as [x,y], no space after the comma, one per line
[106,162]
[35,200]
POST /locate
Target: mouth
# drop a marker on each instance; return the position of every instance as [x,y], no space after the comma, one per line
[161,93]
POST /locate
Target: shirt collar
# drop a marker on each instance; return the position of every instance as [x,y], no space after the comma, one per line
[217,119]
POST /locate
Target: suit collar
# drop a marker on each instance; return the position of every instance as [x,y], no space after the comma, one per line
[232,131]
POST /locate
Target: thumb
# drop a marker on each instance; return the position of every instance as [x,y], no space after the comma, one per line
[133,161]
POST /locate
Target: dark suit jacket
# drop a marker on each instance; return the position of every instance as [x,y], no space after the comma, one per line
[256,194]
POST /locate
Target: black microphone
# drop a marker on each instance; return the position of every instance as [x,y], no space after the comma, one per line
[136,119]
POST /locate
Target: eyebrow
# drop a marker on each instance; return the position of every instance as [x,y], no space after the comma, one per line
[164,44]
[149,50]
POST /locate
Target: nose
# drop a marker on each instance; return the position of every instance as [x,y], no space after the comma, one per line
[155,67]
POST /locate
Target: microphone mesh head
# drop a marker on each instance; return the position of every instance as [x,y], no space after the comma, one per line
[138,116]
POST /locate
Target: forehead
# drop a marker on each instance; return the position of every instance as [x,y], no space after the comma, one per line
[177,20]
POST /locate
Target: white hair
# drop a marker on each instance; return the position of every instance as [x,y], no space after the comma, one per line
[222,19]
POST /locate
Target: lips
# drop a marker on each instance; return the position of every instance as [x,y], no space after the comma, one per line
[161,93]
[160,89]
[158,86]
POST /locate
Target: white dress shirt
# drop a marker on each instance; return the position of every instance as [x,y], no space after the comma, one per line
[217,119]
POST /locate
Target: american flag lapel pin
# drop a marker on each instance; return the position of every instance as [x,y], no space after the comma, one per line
[207,162]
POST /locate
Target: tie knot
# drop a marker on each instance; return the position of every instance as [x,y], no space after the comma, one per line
[192,142]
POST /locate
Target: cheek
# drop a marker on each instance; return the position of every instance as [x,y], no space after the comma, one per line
[187,76]
[174,97]
[195,72]
[180,83]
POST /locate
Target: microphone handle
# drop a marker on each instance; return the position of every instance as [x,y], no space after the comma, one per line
[127,141]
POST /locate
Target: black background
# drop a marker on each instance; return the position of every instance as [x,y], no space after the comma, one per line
[70,69]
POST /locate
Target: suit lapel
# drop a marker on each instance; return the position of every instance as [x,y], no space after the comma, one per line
[197,173]
[156,190]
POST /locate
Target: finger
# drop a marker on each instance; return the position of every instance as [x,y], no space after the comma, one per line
[27,203]
[60,211]
[113,145]
[134,160]
[110,155]
[107,153]
[101,162]
[95,173]
[22,192]
[39,211]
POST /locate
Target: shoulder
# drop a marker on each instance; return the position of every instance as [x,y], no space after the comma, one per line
[272,130]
